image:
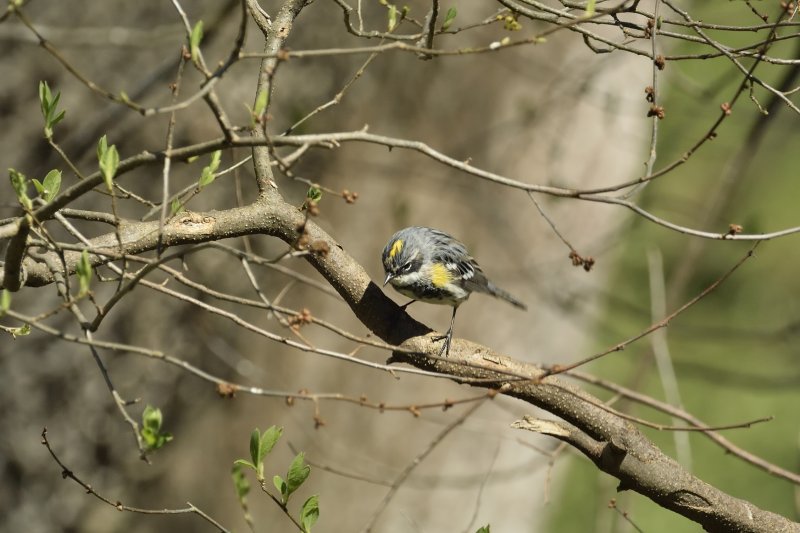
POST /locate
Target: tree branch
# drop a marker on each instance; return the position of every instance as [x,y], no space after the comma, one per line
[615,445]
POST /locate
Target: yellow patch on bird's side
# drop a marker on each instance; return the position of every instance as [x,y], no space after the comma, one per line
[396,247]
[440,276]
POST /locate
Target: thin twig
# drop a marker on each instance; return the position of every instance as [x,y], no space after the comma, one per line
[560,369]
[176,87]
[280,504]
[624,514]
[657,112]
[119,402]
[478,497]
[67,473]
[398,482]
[340,472]
[721,441]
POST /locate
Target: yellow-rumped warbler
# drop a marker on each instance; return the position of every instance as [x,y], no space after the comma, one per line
[431,266]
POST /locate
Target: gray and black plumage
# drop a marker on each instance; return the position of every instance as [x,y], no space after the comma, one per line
[429,265]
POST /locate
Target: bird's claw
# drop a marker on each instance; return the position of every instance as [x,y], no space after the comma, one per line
[445,351]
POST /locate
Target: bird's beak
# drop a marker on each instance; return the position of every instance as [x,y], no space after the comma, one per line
[389,277]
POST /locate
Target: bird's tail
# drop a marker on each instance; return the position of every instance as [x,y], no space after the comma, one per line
[494,290]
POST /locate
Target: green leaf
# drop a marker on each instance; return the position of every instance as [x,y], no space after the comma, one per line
[260,445]
[20,185]
[244,462]
[240,483]
[110,168]
[50,187]
[5,301]
[261,104]
[216,157]
[484,529]
[52,181]
[175,207]
[449,18]
[255,439]
[392,17]
[297,474]
[49,105]
[102,147]
[268,440]
[309,514]
[44,98]
[152,418]
[149,437]
[280,484]
[108,160]
[84,272]
[195,38]
[209,171]
[154,441]
[59,117]
[590,8]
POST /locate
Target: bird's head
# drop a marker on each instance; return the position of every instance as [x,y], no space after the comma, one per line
[402,259]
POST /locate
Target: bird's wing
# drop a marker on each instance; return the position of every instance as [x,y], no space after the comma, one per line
[463,267]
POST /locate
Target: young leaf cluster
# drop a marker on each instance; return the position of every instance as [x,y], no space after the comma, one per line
[154,438]
[209,171]
[449,18]
[240,483]
[298,472]
[49,187]
[394,15]
[259,108]
[108,161]
[5,305]
[194,40]
[260,446]
[84,272]
[49,104]
[20,185]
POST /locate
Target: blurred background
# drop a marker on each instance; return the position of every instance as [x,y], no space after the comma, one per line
[552,114]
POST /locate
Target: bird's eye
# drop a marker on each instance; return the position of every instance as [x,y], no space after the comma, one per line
[406,267]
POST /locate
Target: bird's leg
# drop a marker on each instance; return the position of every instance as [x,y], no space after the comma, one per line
[403,307]
[447,337]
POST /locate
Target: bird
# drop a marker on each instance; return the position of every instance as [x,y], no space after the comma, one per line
[428,265]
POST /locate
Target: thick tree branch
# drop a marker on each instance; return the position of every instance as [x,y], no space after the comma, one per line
[613,444]
[663,480]
[13,274]
[617,447]
[276,34]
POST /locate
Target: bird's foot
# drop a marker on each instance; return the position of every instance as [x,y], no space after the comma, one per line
[445,351]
